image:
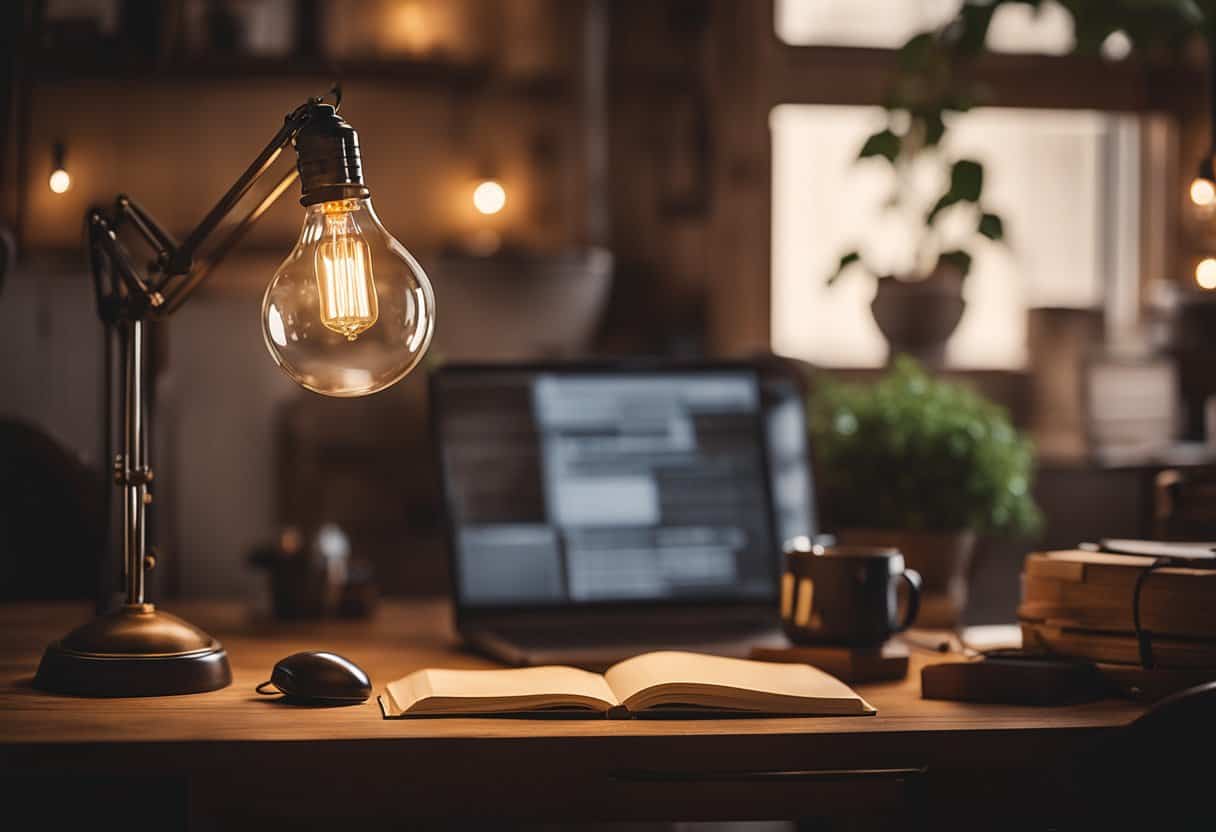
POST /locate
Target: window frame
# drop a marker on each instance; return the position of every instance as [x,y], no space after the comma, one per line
[751,70]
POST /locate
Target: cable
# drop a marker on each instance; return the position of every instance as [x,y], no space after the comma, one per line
[1143,636]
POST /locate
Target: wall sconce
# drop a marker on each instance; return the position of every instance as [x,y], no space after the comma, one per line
[1205,273]
[60,181]
[489,197]
[1203,186]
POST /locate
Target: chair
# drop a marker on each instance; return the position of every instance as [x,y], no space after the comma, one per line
[52,519]
[1156,772]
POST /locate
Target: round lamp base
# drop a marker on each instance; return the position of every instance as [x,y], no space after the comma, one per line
[136,651]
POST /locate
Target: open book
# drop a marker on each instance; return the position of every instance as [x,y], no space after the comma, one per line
[664,681]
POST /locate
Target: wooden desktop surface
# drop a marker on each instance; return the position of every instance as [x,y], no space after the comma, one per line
[251,755]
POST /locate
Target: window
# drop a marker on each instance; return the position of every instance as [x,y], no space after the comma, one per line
[1065,182]
[887,24]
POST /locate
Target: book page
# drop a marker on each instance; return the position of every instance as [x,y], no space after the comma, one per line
[716,681]
[1194,550]
[496,691]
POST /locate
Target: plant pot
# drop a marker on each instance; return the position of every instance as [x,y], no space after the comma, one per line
[943,560]
[917,317]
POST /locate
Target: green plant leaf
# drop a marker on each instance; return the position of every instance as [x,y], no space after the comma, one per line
[916,54]
[966,184]
[883,143]
[967,179]
[969,30]
[958,258]
[846,260]
[911,451]
[935,128]
[992,227]
[943,203]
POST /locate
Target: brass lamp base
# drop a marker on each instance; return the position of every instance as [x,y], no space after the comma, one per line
[135,651]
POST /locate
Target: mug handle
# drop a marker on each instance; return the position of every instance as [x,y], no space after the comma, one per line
[913,579]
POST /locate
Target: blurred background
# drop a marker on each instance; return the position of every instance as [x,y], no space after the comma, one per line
[592,178]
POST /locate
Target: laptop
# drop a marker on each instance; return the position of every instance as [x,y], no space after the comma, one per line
[595,511]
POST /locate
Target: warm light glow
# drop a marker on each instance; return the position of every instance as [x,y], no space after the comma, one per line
[60,181]
[484,242]
[409,28]
[344,274]
[1203,192]
[489,197]
[1205,273]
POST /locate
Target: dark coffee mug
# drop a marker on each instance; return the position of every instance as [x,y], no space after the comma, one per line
[845,595]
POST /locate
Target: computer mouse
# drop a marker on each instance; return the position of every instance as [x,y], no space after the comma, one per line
[318,678]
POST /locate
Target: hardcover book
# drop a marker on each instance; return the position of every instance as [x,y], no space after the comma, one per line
[649,684]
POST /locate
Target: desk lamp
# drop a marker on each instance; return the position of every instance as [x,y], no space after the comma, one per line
[348,313]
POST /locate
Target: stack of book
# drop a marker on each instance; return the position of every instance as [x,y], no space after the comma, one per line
[1080,604]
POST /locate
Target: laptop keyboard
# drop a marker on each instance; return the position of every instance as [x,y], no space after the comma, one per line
[703,632]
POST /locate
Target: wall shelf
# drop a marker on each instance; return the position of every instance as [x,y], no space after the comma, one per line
[467,76]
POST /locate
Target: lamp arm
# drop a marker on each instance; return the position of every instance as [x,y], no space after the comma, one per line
[128,210]
[179,276]
[181,259]
[177,295]
[126,284]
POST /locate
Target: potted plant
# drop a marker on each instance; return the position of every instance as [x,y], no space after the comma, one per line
[918,306]
[933,191]
[922,465]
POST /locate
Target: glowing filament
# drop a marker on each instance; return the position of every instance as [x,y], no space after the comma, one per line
[344,276]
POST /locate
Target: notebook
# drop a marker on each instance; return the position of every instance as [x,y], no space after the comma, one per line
[652,683]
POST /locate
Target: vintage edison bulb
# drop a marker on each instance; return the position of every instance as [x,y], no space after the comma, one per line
[349,312]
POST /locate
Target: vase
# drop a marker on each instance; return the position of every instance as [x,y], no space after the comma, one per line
[917,317]
[943,560]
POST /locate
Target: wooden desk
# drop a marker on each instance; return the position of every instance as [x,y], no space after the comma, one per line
[249,756]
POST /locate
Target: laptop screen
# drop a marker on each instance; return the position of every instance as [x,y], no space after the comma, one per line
[586,486]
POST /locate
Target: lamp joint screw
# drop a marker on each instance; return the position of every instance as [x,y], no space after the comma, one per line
[134,476]
[150,561]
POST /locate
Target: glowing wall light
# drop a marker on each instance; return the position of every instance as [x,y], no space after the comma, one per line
[489,197]
[60,181]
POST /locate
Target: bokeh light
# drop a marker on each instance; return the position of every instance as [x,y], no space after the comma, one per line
[1205,273]
[489,197]
[60,181]
[1203,192]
